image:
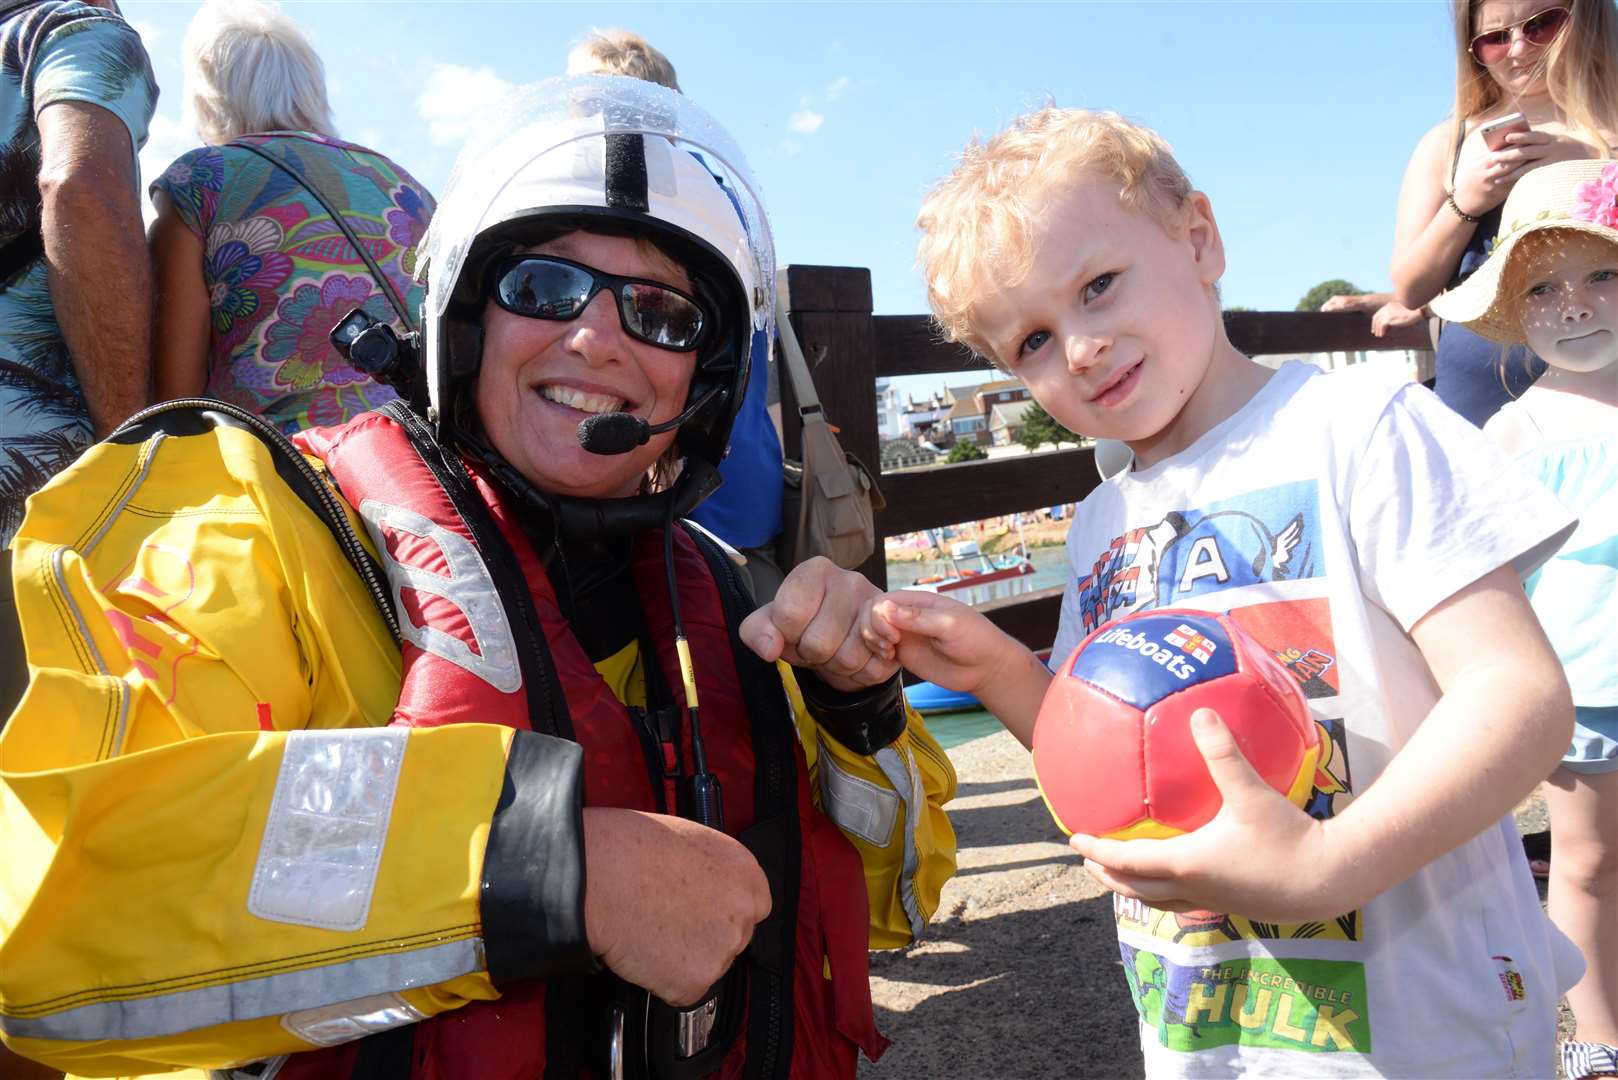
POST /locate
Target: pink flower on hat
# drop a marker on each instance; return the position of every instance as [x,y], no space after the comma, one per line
[1596,201]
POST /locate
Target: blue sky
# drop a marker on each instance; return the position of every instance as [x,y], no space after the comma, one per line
[1295,117]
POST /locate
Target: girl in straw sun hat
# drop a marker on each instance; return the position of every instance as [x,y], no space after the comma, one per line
[1552,283]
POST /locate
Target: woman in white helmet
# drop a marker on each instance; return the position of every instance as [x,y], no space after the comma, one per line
[498,793]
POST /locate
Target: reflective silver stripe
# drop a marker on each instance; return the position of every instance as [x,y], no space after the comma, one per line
[346,1021]
[253,999]
[119,686]
[145,470]
[901,773]
[122,688]
[328,821]
[469,587]
[857,806]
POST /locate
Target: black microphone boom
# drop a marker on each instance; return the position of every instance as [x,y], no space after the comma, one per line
[619,432]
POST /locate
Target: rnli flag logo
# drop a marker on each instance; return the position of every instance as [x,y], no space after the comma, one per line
[1189,641]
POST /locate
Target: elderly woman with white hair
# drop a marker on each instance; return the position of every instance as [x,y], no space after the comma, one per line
[273,230]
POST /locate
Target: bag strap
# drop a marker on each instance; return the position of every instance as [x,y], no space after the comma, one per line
[803,385]
[302,181]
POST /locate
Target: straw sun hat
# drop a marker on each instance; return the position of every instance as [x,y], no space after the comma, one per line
[1577,195]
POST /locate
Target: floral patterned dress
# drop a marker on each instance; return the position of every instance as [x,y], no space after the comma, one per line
[280,273]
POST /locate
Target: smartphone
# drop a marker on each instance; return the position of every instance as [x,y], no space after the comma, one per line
[1495,131]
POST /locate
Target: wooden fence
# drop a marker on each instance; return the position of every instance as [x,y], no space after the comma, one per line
[848,348]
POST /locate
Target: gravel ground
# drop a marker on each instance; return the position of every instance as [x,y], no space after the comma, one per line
[1019,974]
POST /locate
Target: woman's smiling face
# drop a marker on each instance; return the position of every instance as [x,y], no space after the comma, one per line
[540,379]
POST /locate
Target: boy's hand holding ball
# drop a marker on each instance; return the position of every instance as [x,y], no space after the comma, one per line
[1129,744]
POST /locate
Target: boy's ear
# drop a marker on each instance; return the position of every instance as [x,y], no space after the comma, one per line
[1202,232]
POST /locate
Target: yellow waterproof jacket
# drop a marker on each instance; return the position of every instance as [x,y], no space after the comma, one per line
[192,628]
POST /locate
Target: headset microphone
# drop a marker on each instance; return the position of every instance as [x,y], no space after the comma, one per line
[619,433]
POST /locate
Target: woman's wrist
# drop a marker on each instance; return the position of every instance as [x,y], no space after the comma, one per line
[1461,212]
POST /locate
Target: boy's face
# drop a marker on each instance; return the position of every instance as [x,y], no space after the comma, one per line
[1114,328]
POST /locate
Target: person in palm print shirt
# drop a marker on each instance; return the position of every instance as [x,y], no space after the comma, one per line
[76,95]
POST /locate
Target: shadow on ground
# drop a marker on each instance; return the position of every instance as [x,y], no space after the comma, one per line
[1019,974]
[1023,994]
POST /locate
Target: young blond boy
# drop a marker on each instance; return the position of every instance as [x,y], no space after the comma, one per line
[1361,531]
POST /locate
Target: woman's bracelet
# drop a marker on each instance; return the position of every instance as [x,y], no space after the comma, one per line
[1449,200]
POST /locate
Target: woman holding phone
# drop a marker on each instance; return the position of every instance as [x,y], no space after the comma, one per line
[1554,62]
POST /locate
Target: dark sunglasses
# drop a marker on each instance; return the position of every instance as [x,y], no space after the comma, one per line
[1537,30]
[556,289]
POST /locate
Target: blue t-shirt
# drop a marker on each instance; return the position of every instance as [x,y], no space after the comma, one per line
[58,50]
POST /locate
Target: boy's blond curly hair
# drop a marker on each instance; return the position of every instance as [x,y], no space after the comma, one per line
[979,225]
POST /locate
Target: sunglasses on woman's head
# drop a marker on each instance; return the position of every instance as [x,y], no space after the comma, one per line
[558,290]
[1538,30]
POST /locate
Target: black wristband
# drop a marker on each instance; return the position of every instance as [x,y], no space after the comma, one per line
[863,720]
[533,865]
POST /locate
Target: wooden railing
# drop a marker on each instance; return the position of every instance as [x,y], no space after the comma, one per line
[848,348]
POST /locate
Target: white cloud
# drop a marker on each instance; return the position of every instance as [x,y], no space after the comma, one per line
[835,88]
[454,97]
[149,33]
[806,121]
[167,137]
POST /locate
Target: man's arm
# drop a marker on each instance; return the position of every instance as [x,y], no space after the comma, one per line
[100,275]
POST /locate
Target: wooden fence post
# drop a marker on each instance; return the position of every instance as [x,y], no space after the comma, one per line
[830,308]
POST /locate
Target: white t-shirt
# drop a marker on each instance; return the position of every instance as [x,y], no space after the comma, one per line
[1327,517]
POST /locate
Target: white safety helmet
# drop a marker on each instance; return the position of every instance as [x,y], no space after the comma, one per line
[616,155]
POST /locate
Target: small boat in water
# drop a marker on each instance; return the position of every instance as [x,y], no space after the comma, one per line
[969,565]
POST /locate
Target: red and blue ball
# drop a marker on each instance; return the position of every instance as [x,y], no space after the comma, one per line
[1113,750]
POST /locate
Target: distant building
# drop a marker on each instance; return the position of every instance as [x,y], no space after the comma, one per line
[889,411]
[918,418]
[1006,421]
[1000,392]
[967,420]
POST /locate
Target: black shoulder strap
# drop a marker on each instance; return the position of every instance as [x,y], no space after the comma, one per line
[198,416]
[547,707]
[337,218]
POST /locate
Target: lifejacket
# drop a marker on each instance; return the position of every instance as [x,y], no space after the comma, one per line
[467,657]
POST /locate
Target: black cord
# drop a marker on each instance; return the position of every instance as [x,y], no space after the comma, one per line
[707,805]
